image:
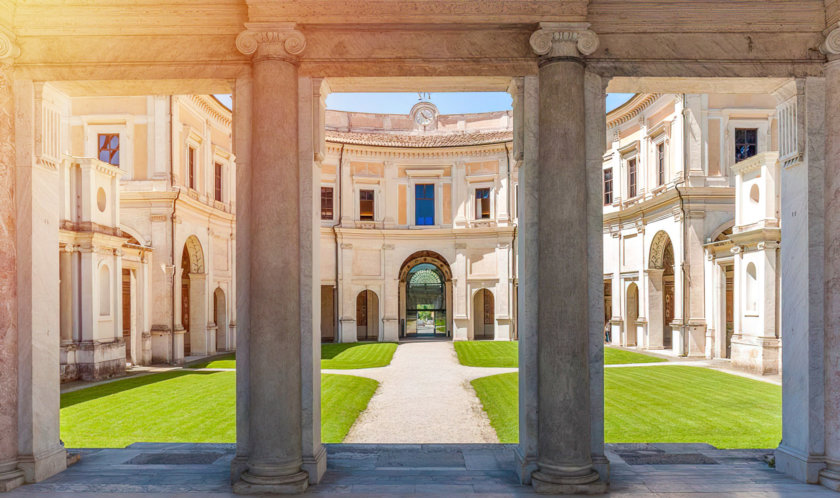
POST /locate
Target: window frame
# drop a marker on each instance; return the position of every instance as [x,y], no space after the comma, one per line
[432,200]
[122,125]
[100,149]
[332,202]
[489,199]
[632,177]
[372,200]
[191,167]
[609,194]
[735,142]
[218,181]
[660,163]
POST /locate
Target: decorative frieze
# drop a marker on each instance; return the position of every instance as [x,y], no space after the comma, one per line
[564,39]
[271,40]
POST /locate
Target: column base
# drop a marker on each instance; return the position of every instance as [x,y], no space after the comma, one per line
[525,466]
[11,478]
[315,465]
[250,484]
[802,467]
[830,479]
[47,464]
[588,484]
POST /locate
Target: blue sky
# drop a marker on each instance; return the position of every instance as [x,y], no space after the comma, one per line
[447,103]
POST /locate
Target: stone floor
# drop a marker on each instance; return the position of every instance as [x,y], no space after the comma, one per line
[679,470]
[424,396]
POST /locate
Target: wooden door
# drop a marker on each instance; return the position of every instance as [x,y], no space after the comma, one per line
[185,313]
[126,311]
[668,313]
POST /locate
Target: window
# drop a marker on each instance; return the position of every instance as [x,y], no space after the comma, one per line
[631,178]
[751,289]
[482,203]
[191,168]
[660,164]
[608,186]
[326,203]
[109,148]
[746,143]
[218,183]
[366,205]
[424,204]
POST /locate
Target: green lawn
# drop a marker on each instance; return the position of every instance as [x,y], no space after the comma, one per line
[614,356]
[673,404]
[506,354]
[357,355]
[226,361]
[183,406]
[336,356]
[488,353]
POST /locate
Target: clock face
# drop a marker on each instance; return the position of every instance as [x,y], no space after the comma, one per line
[424,117]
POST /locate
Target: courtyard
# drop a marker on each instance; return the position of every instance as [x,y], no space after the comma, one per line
[430,392]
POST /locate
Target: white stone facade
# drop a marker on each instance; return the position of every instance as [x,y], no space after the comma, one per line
[457,170]
[674,190]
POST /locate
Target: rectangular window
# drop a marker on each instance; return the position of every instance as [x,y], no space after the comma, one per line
[424,204]
[191,168]
[746,143]
[482,203]
[366,205]
[631,178]
[109,148]
[218,184]
[660,164]
[608,186]
[326,203]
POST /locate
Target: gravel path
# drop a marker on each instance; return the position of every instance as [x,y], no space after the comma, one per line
[424,396]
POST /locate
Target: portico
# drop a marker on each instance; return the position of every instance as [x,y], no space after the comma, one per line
[280,59]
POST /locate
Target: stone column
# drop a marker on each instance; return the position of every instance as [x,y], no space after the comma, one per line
[830,476]
[564,460]
[274,407]
[10,475]
[801,451]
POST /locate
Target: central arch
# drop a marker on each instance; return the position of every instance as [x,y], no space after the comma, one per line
[661,291]
[425,296]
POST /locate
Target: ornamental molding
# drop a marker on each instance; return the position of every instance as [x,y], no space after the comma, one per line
[631,109]
[564,39]
[831,45]
[8,49]
[279,40]
[395,153]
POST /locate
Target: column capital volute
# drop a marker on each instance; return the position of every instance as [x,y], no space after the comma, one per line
[564,39]
[272,40]
[831,45]
[8,50]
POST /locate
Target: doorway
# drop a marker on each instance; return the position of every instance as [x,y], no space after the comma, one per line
[425,309]
[483,316]
[185,299]
[367,316]
[126,313]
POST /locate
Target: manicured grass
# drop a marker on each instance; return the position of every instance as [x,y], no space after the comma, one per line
[183,406]
[335,356]
[506,354]
[673,404]
[357,355]
[614,356]
[226,361]
[502,354]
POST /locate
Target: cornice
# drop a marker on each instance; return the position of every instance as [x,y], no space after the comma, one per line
[271,40]
[668,199]
[563,39]
[755,162]
[631,108]
[213,108]
[420,234]
[370,151]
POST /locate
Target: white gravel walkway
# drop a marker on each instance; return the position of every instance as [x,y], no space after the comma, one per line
[424,396]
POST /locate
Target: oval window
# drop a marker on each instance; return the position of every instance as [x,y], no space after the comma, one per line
[100,199]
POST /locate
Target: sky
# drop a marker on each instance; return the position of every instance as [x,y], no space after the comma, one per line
[447,103]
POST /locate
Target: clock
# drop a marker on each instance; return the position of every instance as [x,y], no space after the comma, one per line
[424,117]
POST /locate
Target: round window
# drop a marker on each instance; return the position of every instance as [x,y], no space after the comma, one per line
[100,199]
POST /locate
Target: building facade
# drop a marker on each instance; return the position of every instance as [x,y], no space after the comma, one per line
[418,226]
[680,231]
[146,228]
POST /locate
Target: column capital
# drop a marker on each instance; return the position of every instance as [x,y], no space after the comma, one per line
[8,49]
[564,39]
[831,44]
[272,40]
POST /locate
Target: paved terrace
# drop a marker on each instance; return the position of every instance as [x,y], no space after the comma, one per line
[172,469]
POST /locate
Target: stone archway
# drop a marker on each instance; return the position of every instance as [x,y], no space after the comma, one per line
[425,295]
[660,274]
[220,319]
[196,339]
[367,316]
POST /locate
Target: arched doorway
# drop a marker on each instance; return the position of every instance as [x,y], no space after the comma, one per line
[483,315]
[193,293]
[425,296]
[632,314]
[220,319]
[661,291]
[367,316]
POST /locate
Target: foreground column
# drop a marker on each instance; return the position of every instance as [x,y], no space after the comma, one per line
[830,476]
[564,460]
[274,355]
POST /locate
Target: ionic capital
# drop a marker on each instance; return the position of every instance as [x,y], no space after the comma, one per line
[831,45]
[564,39]
[273,40]
[8,49]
